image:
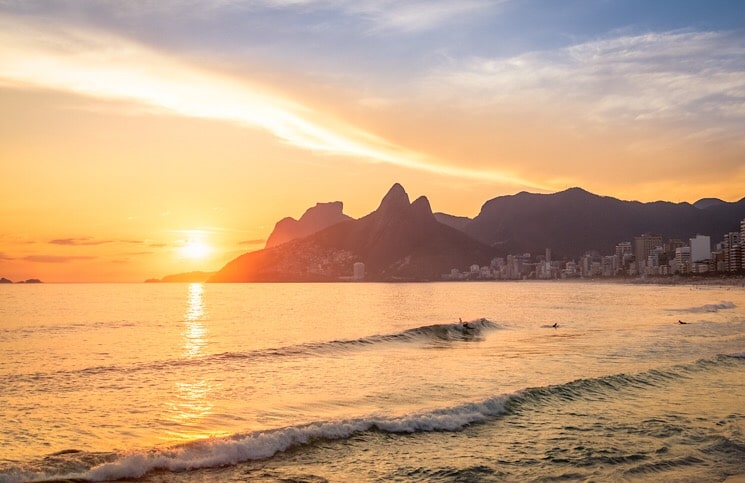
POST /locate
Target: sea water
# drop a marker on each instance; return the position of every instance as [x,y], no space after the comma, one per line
[372,382]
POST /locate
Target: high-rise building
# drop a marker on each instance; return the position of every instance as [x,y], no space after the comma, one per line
[742,244]
[643,246]
[700,248]
[672,245]
[732,249]
[622,249]
[683,259]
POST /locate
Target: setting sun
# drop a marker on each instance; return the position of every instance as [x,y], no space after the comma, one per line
[195,249]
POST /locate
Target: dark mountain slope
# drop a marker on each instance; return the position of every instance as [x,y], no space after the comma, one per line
[575,221]
[398,241]
[313,220]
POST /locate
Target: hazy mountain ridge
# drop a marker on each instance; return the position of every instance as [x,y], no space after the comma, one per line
[402,240]
[398,241]
[574,221]
[705,203]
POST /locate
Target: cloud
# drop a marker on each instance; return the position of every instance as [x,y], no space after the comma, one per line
[86,241]
[674,76]
[50,56]
[55,258]
[3,256]
[405,16]
[416,16]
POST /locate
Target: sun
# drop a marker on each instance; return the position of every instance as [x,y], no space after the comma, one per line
[195,249]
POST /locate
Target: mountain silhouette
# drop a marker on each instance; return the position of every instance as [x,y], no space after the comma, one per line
[398,241]
[313,220]
[402,240]
[705,203]
[574,221]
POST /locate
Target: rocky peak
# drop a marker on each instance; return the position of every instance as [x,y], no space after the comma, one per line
[421,208]
[395,200]
[321,216]
[322,211]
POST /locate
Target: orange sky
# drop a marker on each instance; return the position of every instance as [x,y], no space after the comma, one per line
[123,142]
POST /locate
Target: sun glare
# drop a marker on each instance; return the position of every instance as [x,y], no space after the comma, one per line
[195,249]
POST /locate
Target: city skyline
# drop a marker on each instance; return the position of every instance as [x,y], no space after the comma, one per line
[155,137]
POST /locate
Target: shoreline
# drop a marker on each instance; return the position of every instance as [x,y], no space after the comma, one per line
[728,281]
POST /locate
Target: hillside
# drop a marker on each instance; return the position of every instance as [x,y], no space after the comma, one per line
[398,241]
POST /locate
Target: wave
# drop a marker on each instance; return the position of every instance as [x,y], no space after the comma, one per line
[708,308]
[260,445]
[437,334]
[217,452]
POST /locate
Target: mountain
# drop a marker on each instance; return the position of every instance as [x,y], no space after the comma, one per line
[398,241]
[704,203]
[313,220]
[457,222]
[575,221]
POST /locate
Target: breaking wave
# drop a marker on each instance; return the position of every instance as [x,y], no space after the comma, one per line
[259,445]
[437,334]
[708,308]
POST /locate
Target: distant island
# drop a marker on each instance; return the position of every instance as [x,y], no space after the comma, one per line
[30,280]
[188,277]
[569,234]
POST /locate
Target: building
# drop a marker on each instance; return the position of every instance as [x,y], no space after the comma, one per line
[742,245]
[623,249]
[643,246]
[609,265]
[700,248]
[732,249]
[358,271]
[683,259]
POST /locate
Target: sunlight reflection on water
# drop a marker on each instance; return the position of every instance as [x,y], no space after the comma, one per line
[194,331]
[191,403]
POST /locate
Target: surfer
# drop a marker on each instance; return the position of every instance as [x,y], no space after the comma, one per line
[682,323]
[556,325]
[464,324]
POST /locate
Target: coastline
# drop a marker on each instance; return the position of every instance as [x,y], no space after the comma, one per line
[720,280]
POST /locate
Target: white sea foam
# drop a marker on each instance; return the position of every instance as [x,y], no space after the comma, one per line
[218,452]
[710,307]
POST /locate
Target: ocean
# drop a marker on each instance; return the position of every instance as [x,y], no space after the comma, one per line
[372,382]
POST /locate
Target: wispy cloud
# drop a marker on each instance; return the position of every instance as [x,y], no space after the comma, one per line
[407,16]
[105,66]
[56,258]
[672,76]
[79,241]
[416,16]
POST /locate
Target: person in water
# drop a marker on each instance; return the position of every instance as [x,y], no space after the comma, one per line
[556,325]
[464,324]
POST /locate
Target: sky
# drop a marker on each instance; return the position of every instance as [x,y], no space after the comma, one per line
[151,137]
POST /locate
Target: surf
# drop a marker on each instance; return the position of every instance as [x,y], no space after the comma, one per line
[262,445]
[435,334]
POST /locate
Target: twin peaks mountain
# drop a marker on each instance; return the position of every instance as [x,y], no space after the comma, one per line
[398,241]
[402,240]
